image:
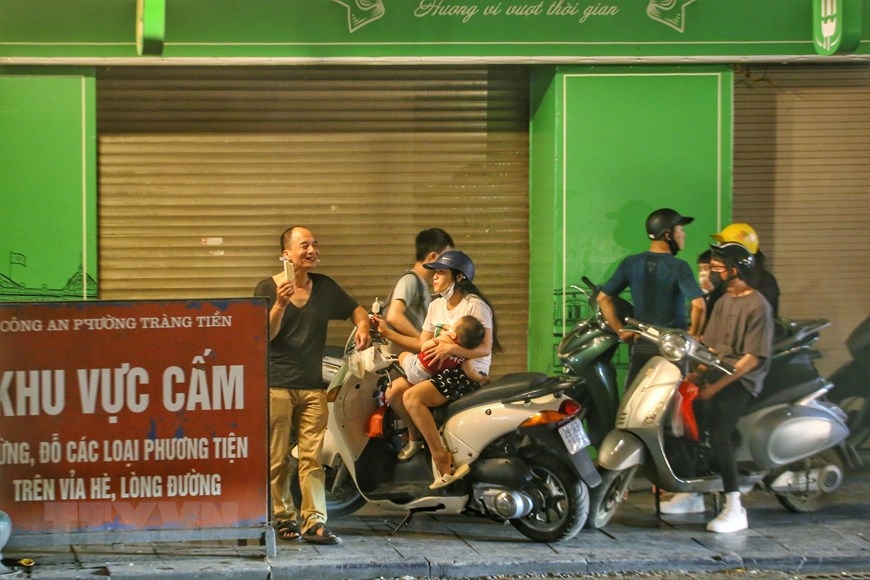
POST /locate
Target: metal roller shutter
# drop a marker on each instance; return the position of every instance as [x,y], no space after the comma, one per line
[201,169]
[801,178]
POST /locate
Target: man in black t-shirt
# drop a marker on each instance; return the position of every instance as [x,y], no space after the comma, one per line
[300,309]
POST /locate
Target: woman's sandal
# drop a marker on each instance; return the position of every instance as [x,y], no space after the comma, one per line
[410,449]
[288,531]
[446,480]
[324,537]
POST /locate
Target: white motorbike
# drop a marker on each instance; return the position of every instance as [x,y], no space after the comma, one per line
[520,436]
[791,441]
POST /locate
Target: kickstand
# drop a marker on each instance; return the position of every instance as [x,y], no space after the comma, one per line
[404,523]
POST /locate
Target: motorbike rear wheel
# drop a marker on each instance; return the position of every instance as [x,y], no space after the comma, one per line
[560,497]
[608,496]
[811,500]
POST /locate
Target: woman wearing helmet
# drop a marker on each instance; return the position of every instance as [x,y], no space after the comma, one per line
[457,297]
[740,331]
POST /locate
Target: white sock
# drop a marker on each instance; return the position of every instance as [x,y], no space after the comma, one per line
[732,500]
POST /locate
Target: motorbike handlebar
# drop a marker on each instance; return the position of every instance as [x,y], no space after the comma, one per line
[676,345]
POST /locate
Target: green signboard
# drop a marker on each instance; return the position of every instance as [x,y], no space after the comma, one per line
[371,29]
[836,25]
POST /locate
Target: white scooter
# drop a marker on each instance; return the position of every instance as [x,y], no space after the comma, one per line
[791,441]
[519,434]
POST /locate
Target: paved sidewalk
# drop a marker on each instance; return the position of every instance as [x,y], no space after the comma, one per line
[833,540]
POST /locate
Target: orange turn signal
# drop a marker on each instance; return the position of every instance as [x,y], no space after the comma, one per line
[543,418]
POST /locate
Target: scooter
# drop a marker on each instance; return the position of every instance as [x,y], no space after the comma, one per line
[793,351]
[791,441]
[852,385]
[520,436]
[587,351]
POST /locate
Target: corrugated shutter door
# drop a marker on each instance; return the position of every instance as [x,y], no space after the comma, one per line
[201,169]
[801,178]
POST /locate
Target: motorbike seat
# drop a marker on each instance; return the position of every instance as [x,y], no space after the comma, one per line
[498,390]
[786,385]
[788,332]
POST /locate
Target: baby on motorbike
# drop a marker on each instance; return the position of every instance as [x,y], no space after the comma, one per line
[468,332]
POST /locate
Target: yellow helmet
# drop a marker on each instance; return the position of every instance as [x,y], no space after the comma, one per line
[743,234]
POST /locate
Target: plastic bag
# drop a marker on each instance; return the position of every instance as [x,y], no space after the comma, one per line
[678,426]
[356,363]
[688,393]
[371,360]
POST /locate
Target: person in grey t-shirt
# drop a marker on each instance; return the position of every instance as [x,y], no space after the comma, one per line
[740,332]
[409,300]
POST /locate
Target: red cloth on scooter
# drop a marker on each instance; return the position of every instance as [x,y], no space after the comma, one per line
[375,426]
[689,392]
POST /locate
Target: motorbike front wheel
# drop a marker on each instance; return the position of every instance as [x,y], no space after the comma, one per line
[811,500]
[607,497]
[561,501]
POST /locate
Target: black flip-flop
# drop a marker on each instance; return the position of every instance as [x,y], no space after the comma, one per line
[288,531]
[326,537]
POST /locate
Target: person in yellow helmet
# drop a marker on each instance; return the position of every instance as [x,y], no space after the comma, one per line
[743,234]
[760,278]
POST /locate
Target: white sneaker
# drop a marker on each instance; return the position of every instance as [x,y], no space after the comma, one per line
[683,503]
[729,520]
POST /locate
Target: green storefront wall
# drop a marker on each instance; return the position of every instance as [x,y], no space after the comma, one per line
[608,143]
[48,228]
[608,146]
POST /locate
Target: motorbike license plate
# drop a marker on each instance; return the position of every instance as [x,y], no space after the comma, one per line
[574,436]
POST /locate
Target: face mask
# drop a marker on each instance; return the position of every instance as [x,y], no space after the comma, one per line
[449,292]
[717,280]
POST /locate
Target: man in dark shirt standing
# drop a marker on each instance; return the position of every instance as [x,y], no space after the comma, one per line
[660,285]
[299,312]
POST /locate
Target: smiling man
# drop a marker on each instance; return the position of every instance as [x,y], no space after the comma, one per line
[299,312]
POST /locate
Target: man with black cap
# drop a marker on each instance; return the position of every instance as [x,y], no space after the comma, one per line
[660,285]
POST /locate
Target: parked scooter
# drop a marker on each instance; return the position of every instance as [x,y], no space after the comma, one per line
[587,351]
[793,350]
[852,385]
[791,442]
[520,436]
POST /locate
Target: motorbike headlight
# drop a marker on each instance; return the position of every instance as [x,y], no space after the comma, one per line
[674,346]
